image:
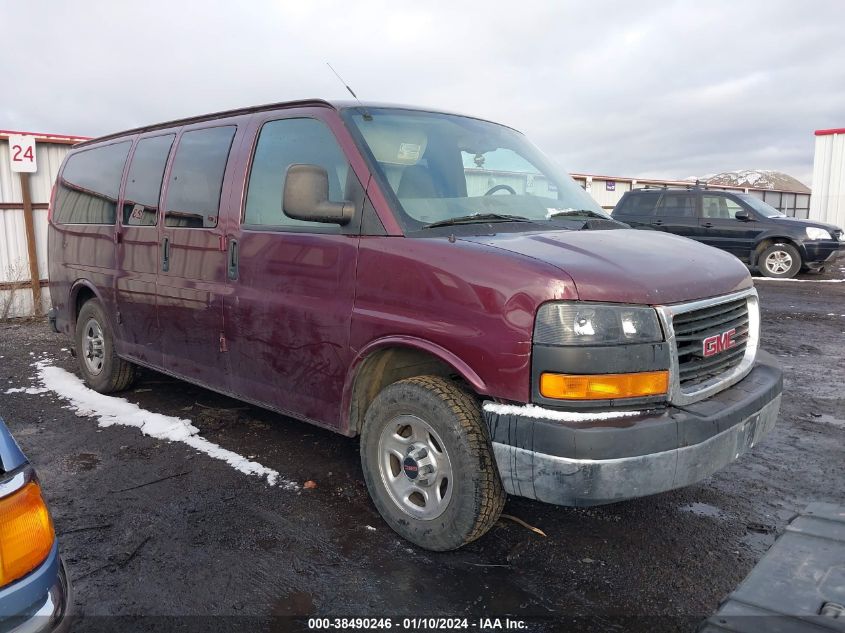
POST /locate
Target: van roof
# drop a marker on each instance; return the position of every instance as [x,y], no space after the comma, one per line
[320,103]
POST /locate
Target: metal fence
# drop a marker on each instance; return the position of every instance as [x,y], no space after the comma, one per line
[23,227]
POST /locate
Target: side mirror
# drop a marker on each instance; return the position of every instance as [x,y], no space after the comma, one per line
[743,216]
[306,197]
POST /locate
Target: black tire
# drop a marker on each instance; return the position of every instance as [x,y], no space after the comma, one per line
[769,268]
[477,496]
[115,374]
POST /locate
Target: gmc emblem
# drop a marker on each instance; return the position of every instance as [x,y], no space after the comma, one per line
[718,343]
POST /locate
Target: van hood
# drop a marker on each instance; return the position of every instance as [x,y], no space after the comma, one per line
[630,266]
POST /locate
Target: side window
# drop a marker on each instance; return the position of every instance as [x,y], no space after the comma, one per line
[714,206]
[196,180]
[626,205]
[677,205]
[90,182]
[641,204]
[143,185]
[284,143]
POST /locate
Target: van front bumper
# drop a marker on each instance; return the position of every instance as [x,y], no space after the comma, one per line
[593,462]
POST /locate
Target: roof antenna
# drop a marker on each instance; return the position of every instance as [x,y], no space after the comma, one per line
[367,116]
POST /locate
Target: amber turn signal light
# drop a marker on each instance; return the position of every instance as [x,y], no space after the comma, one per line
[603,386]
[26,533]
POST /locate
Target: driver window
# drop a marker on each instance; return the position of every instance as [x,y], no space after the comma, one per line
[281,144]
[503,171]
[719,207]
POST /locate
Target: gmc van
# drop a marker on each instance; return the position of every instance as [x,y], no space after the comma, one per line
[428,281]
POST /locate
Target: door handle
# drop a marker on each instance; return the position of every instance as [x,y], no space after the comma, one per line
[707,225]
[657,223]
[165,254]
[233,259]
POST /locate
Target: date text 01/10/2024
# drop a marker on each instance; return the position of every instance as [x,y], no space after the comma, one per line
[418,624]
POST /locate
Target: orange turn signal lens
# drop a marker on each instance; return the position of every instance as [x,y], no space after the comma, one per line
[604,386]
[26,533]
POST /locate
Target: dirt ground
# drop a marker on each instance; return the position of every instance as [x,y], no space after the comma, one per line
[153,528]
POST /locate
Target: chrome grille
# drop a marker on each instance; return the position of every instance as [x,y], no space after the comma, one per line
[691,330]
[693,376]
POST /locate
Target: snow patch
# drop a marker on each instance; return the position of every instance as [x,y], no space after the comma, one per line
[533,411]
[32,390]
[111,411]
[803,281]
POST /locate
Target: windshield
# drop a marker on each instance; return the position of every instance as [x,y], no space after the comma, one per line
[763,208]
[445,167]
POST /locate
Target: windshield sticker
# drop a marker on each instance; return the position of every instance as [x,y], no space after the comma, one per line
[409,151]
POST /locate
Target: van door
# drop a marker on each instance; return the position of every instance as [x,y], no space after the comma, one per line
[288,318]
[192,257]
[137,249]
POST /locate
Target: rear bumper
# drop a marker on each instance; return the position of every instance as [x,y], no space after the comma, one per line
[597,462]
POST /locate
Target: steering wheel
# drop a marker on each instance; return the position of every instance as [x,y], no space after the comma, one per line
[496,188]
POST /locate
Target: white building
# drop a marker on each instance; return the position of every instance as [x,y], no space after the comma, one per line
[828,204]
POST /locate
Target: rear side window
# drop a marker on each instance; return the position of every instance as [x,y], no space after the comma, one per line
[676,205]
[196,180]
[89,186]
[284,143]
[143,185]
[639,204]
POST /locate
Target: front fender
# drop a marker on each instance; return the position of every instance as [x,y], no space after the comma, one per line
[409,342]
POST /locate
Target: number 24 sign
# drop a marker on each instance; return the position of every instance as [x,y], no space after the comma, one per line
[22,153]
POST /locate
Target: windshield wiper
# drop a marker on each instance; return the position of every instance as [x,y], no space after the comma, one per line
[478,217]
[577,212]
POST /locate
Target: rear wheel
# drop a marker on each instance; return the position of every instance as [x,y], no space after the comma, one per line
[428,463]
[779,261]
[102,369]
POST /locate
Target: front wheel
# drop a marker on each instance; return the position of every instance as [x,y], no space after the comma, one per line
[780,261]
[428,463]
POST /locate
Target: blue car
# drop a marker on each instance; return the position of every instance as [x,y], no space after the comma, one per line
[34,590]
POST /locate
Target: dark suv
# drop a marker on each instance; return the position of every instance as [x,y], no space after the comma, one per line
[739,223]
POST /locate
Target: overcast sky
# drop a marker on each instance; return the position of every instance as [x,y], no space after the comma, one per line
[661,89]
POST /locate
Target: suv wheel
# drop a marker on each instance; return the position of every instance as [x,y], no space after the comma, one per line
[779,261]
[428,463]
[102,369]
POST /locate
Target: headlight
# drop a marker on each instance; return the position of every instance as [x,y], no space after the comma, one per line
[817,234]
[595,324]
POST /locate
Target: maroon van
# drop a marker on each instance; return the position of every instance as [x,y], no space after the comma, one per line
[428,281]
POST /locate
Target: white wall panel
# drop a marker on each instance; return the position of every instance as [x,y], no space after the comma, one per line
[827,203]
[14,254]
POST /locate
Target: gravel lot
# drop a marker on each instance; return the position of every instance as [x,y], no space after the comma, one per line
[149,527]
